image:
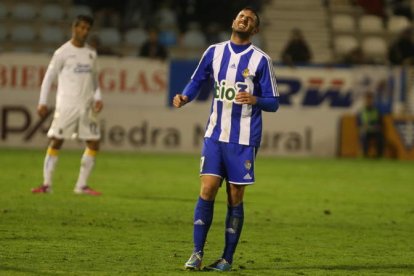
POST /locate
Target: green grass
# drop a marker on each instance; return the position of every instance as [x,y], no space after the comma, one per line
[302,217]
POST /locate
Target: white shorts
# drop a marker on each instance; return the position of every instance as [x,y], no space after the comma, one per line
[73,123]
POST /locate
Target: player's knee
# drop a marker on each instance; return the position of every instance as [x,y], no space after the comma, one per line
[236,194]
[56,143]
[93,145]
[208,192]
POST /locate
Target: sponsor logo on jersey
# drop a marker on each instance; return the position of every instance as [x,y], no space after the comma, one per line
[82,68]
[246,73]
[227,93]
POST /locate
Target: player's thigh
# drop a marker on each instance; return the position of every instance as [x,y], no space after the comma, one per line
[239,163]
[89,127]
[211,162]
[210,185]
[64,124]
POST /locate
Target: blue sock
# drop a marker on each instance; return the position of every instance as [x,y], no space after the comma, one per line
[234,225]
[203,216]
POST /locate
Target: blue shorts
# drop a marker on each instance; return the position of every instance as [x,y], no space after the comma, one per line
[231,161]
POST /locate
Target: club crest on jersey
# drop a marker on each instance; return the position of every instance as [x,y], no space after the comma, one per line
[247,164]
[246,73]
[227,93]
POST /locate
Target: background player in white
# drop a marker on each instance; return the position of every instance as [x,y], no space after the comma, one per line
[78,101]
[245,85]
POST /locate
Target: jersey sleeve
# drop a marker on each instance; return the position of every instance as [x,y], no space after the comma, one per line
[55,66]
[267,79]
[200,75]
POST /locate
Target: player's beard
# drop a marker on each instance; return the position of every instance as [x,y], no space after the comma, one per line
[243,35]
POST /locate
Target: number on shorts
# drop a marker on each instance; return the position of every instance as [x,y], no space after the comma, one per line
[201,163]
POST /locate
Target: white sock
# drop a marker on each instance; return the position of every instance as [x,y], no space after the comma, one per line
[87,164]
[49,165]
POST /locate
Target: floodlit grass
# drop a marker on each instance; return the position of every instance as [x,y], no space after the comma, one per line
[302,217]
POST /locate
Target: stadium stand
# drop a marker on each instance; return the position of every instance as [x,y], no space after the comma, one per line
[52,12]
[79,9]
[343,44]
[194,38]
[343,23]
[280,17]
[23,33]
[375,48]
[370,24]
[3,33]
[323,22]
[110,37]
[24,11]
[374,33]
[3,11]
[397,23]
[51,34]
[135,37]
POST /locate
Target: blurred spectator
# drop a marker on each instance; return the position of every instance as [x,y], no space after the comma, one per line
[168,36]
[354,57]
[152,48]
[370,126]
[296,50]
[401,7]
[401,51]
[101,50]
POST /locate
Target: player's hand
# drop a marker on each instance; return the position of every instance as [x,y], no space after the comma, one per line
[97,107]
[42,110]
[179,100]
[245,98]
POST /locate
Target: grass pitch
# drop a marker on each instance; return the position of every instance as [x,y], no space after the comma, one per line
[302,217]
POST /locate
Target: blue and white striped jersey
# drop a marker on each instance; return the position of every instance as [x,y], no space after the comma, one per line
[250,70]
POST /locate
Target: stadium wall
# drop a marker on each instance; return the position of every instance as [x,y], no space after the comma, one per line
[138,116]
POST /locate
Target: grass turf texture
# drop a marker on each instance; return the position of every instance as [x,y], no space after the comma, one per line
[302,217]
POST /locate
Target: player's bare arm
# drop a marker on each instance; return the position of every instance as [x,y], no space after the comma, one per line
[42,110]
[180,100]
[245,98]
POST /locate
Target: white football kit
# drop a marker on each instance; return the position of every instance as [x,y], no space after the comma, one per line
[77,89]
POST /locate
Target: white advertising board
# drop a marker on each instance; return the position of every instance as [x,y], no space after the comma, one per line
[136,116]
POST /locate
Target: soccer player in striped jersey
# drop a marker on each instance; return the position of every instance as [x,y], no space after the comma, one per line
[78,101]
[245,85]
